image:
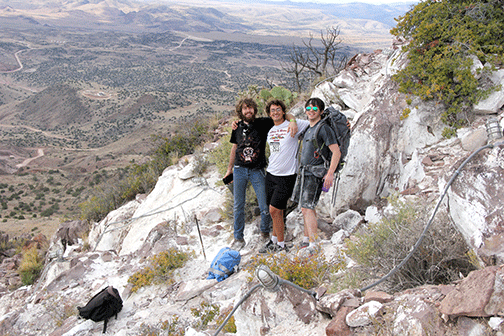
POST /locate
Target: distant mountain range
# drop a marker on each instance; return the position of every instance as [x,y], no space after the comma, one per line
[359,22]
[355,10]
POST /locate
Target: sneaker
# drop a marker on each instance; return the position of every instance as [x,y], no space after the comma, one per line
[303,244]
[272,248]
[238,244]
[267,248]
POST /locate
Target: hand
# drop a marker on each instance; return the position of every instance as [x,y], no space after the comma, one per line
[328,181]
[234,125]
[293,128]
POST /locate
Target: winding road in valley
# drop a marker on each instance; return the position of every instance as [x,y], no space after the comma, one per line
[18,60]
[40,153]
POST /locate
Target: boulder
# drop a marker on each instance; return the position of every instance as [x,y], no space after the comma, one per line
[472,295]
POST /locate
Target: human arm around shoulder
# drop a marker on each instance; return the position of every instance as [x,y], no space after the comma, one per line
[335,158]
[293,127]
[232,155]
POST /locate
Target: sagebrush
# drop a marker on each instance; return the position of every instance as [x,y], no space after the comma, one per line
[379,247]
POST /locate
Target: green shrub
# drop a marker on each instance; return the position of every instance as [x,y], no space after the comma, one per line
[173,327]
[160,269]
[278,92]
[261,96]
[220,155]
[442,35]
[30,266]
[205,314]
[379,247]
[405,113]
[309,272]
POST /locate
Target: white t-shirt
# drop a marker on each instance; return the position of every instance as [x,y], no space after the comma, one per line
[283,148]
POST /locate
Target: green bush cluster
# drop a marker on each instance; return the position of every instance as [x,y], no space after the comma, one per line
[160,269]
[278,92]
[306,272]
[31,265]
[379,247]
[442,36]
[262,95]
[205,314]
[220,155]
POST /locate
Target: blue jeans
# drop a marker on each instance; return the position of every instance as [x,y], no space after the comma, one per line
[241,176]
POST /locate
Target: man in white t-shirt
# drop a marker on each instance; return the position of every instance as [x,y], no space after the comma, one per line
[281,170]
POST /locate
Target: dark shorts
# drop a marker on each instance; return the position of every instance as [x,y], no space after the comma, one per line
[312,188]
[279,189]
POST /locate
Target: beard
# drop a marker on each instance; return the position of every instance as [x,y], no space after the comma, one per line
[249,120]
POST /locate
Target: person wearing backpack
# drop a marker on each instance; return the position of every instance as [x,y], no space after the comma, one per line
[247,161]
[314,176]
[281,171]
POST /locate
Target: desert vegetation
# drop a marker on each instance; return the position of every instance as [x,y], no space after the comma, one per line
[160,269]
[379,247]
[41,194]
[444,40]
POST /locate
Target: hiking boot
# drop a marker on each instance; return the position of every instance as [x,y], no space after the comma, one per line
[238,244]
[272,248]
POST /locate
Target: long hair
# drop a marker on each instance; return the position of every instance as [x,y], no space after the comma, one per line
[249,102]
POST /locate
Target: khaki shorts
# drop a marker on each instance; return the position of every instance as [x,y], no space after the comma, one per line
[312,188]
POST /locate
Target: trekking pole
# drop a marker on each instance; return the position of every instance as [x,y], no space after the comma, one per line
[335,189]
[201,239]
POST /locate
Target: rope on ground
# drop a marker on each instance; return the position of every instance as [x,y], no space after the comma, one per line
[419,241]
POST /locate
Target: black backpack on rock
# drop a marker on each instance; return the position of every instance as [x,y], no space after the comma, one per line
[102,306]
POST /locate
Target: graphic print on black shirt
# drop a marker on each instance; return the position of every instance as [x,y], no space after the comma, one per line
[251,143]
[248,149]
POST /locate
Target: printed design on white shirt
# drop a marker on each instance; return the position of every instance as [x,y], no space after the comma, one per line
[275,137]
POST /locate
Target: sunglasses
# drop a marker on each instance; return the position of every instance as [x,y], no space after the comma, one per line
[314,108]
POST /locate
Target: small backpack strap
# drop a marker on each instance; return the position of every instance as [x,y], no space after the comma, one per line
[315,140]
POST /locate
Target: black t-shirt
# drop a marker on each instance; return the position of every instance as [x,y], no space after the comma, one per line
[251,143]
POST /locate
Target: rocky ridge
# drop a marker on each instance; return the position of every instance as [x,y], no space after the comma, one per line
[386,155]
